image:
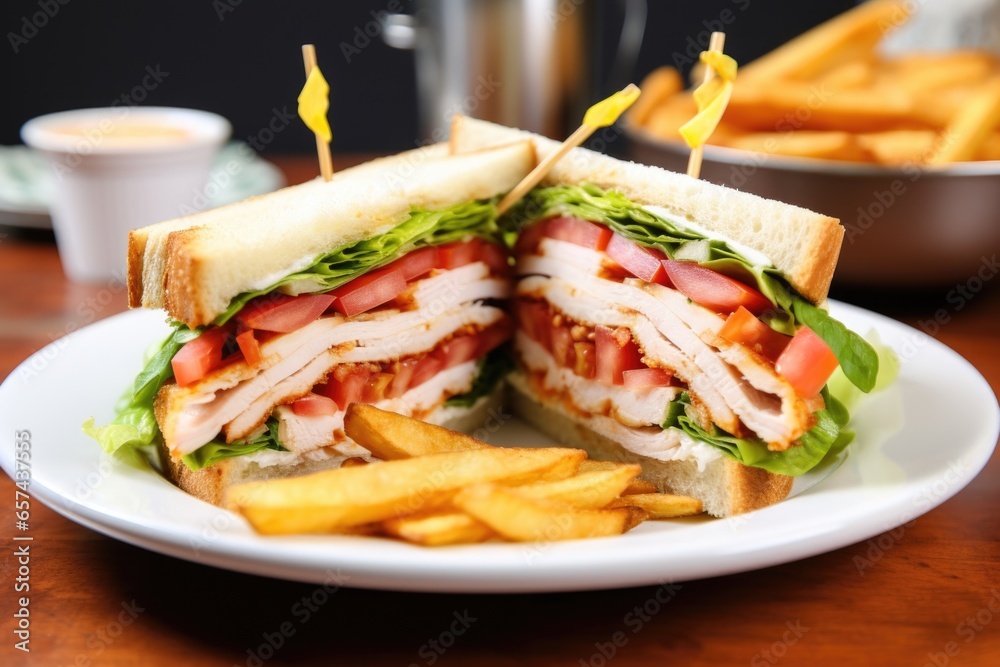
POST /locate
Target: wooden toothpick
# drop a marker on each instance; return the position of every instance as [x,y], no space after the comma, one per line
[322,147]
[717,43]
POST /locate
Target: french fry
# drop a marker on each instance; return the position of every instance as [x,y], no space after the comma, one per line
[806,143]
[899,146]
[851,74]
[437,530]
[639,486]
[661,505]
[658,85]
[336,499]
[826,45]
[667,117]
[390,436]
[971,126]
[524,519]
[990,148]
[587,490]
[927,72]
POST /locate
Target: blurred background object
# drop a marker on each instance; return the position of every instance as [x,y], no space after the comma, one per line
[242,60]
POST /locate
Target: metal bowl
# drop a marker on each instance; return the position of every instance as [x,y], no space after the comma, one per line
[905,226]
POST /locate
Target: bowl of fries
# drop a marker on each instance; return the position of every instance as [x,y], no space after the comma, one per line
[904,149]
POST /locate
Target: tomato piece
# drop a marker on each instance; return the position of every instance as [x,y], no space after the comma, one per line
[562,347]
[743,327]
[536,320]
[807,362]
[283,313]
[417,262]
[428,367]
[713,290]
[369,291]
[583,359]
[249,347]
[643,263]
[493,337]
[457,350]
[346,390]
[375,387]
[495,256]
[460,253]
[402,376]
[579,232]
[641,378]
[314,404]
[529,238]
[197,357]
[616,353]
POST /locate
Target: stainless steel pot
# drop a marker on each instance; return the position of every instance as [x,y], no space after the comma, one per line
[522,63]
[906,226]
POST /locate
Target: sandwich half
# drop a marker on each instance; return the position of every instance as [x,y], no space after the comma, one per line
[384,285]
[675,323]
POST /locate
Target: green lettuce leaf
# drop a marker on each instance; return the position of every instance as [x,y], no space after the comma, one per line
[858,359]
[823,441]
[216,451]
[492,369]
[134,425]
[423,228]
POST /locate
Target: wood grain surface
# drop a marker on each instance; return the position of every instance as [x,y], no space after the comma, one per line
[925,594]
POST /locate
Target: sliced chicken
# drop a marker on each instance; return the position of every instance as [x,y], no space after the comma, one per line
[752,390]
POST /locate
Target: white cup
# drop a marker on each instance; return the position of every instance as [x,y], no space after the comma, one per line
[120,168]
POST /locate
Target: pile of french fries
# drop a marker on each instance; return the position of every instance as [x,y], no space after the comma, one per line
[829,94]
[437,487]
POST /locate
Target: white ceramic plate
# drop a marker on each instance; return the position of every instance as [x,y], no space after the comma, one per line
[25,188]
[918,444]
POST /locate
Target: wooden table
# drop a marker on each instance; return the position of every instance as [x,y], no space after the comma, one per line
[97,601]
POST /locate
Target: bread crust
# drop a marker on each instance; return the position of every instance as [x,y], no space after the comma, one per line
[194,266]
[803,245]
[725,487]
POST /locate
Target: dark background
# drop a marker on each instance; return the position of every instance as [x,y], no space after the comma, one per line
[241,58]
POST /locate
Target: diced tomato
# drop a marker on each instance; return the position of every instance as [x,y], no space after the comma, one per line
[643,263]
[562,347]
[583,359]
[529,237]
[314,404]
[714,290]
[493,337]
[369,291]
[641,378]
[249,347]
[616,353]
[428,367]
[283,313]
[457,350]
[418,262]
[460,253]
[197,357]
[375,387]
[742,326]
[579,232]
[346,390]
[807,362]
[536,320]
[495,256]
[402,376]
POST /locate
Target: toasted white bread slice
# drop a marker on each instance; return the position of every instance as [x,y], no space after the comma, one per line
[725,487]
[194,266]
[210,484]
[801,244]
